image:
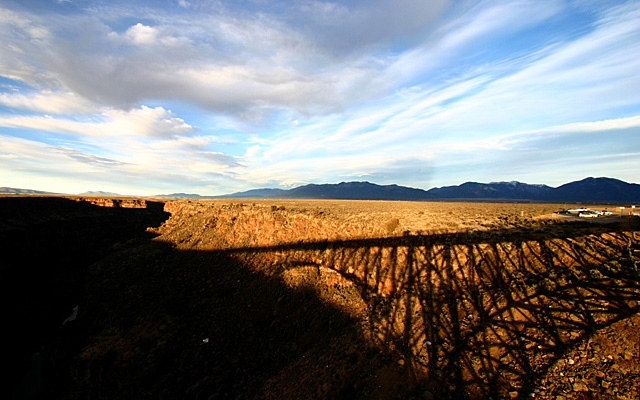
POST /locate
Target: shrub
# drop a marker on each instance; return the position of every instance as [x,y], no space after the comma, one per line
[392,225]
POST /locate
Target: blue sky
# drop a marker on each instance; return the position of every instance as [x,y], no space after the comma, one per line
[213,97]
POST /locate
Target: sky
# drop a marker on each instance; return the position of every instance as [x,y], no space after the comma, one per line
[216,97]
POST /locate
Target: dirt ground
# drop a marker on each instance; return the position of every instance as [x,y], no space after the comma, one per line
[287,299]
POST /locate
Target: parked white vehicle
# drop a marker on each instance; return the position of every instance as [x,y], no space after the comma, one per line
[578,210]
[584,212]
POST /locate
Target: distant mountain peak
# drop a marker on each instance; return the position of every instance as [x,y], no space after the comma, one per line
[600,189]
[512,190]
[98,193]
[179,195]
[254,193]
[10,190]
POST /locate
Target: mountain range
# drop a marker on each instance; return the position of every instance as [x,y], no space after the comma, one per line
[99,193]
[10,190]
[586,190]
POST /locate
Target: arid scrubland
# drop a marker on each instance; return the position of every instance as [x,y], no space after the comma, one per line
[279,299]
[268,222]
[399,299]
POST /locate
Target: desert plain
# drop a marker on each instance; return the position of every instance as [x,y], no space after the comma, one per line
[290,299]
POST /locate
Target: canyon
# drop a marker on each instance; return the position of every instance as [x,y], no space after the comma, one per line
[318,299]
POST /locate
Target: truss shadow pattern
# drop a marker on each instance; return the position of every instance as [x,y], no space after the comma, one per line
[475,315]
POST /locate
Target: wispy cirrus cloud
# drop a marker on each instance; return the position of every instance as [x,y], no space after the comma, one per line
[47,101]
[144,121]
[225,60]
[134,167]
[414,93]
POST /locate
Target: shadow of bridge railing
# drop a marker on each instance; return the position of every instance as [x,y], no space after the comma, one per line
[475,315]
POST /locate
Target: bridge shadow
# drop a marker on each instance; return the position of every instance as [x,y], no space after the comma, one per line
[168,323]
[473,315]
[452,316]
